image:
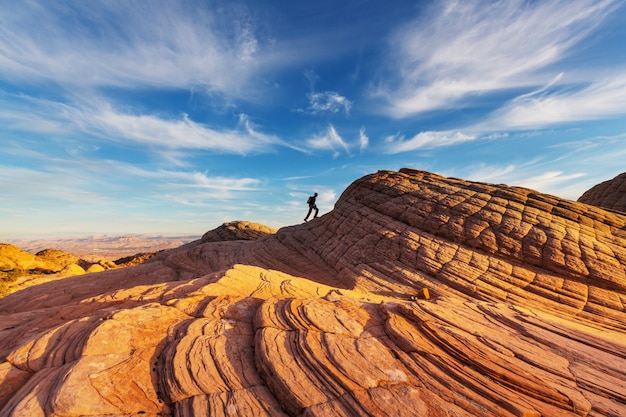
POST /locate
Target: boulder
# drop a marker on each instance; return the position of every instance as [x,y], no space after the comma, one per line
[73,269]
[95,268]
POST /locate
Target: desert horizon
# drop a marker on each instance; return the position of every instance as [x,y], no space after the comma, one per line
[104,245]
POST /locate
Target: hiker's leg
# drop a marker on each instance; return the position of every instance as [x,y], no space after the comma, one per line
[309,213]
[316,211]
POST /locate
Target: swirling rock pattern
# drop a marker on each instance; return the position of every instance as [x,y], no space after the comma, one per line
[525,317]
[609,194]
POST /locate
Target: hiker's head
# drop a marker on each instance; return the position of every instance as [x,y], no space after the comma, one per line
[315,194]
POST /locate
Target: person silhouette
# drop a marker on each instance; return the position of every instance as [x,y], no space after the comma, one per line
[312,206]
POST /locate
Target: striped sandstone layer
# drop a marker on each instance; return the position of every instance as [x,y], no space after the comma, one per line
[525,315]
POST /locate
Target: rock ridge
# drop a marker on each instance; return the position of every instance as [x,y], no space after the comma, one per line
[526,315]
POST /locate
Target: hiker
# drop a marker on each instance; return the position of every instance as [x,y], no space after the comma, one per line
[312,206]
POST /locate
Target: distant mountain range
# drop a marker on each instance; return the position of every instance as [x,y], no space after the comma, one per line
[108,247]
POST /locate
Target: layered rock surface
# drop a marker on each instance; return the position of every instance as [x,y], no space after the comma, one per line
[609,194]
[20,269]
[526,315]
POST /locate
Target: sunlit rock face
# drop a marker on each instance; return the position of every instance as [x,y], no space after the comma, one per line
[609,194]
[13,258]
[525,315]
[237,230]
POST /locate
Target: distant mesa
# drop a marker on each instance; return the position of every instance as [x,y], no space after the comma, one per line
[609,194]
[94,248]
[525,314]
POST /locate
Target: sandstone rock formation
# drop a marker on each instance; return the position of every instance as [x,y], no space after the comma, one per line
[609,194]
[12,257]
[526,315]
[237,230]
[59,258]
[18,266]
[135,259]
[94,268]
[20,269]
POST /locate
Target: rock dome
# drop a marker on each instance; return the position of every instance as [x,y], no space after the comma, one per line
[609,194]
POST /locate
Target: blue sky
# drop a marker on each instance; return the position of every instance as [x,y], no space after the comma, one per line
[172,117]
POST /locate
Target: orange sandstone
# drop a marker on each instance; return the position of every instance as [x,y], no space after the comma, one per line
[523,315]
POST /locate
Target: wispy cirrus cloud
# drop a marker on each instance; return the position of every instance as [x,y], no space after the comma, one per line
[601,99]
[71,195]
[179,133]
[327,102]
[323,102]
[101,120]
[127,44]
[364,140]
[425,140]
[465,49]
[556,103]
[89,181]
[566,169]
[331,140]
[548,180]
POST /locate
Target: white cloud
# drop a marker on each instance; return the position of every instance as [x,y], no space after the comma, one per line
[20,112]
[328,141]
[200,189]
[327,102]
[180,133]
[98,119]
[599,100]
[493,174]
[363,139]
[312,78]
[88,181]
[550,105]
[463,49]
[201,180]
[82,197]
[127,44]
[331,140]
[425,140]
[326,198]
[548,180]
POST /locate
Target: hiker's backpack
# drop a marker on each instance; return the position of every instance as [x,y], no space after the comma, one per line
[310,200]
